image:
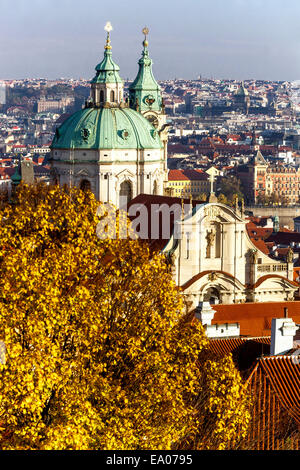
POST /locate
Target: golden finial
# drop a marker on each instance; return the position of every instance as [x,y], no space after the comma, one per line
[108,28]
[145,31]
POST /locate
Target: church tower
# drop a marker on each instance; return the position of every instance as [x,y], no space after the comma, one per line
[108,146]
[145,96]
[107,85]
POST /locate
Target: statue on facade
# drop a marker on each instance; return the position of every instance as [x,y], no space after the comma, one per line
[290,256]
[253,256]
[210,237]
[170,261]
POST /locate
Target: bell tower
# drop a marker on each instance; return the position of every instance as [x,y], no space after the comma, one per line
[107,86]
[145,96]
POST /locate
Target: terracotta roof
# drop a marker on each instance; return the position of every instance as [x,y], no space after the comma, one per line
[284,238]
[275,382]
[260,244]
[259,221]
[283,372]
[255,318]
[244,351]
[7,171]
[187,175]
[258,232]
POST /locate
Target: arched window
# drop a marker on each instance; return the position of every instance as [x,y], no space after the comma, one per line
[101,96]
[112,96]
[155,188]
[212,295]
[85,185]
[125,193]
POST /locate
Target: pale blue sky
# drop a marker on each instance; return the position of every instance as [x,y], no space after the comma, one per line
[237,39]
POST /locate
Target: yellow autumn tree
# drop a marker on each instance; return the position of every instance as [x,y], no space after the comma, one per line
[98,351]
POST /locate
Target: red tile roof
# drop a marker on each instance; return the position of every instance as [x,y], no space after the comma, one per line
[283,372]
[244,351]
[275,383]
[258,232]
[255,318]
[261,245]
[284,237]
[187,175]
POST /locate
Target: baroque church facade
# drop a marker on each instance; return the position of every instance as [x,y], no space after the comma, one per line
[115,147]
[215,260]
[210,254]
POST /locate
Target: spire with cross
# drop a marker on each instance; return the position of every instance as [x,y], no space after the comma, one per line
[212,196]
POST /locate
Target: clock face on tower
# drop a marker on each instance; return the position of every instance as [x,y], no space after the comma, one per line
[152,119]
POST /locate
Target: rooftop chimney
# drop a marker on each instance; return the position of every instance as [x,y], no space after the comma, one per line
[283,331]
[205,313]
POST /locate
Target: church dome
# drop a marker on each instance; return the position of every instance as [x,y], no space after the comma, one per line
[108,127]
[242,91]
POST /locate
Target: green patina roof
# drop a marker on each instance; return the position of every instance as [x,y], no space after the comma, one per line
[242,91]
[16,178]
[145,88]
[107,71]
[106,128]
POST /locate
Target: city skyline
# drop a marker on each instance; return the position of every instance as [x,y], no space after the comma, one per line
[212,39]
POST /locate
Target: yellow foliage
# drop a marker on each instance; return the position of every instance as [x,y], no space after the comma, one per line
[99,354]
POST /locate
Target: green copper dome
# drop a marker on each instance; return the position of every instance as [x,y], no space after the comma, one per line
[106,128]
[242,91]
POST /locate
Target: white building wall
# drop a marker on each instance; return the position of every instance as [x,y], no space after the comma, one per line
[107,169]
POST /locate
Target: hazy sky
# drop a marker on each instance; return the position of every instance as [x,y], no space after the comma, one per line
[237,39]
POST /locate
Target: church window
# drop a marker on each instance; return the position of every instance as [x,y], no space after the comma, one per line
[126,190]
[112,96]
[101,96]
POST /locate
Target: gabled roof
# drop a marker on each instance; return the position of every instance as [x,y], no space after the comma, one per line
[187,175]
[258,159]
